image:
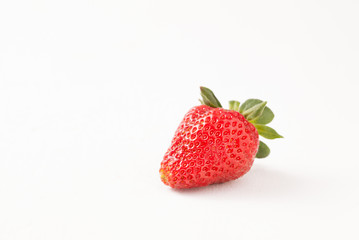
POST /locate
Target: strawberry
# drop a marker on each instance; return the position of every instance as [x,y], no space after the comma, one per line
[215,145]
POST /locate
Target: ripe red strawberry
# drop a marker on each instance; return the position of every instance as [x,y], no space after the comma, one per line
[214,145]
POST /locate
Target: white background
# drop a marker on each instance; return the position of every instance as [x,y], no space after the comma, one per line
[91,93]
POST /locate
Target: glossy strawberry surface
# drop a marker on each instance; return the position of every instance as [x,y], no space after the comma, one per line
[211,145]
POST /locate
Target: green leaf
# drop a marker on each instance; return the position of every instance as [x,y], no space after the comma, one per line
[263,150]
[248,104]
[234,105]
[209,98]
[254,112]
[267,132]
[267,115]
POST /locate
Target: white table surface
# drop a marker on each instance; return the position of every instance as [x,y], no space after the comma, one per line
[91,93]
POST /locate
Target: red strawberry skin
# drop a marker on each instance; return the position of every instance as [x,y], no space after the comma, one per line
[211,145]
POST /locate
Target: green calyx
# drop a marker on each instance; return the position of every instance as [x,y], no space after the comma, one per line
[234,105]
[208,98]
[254,110]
